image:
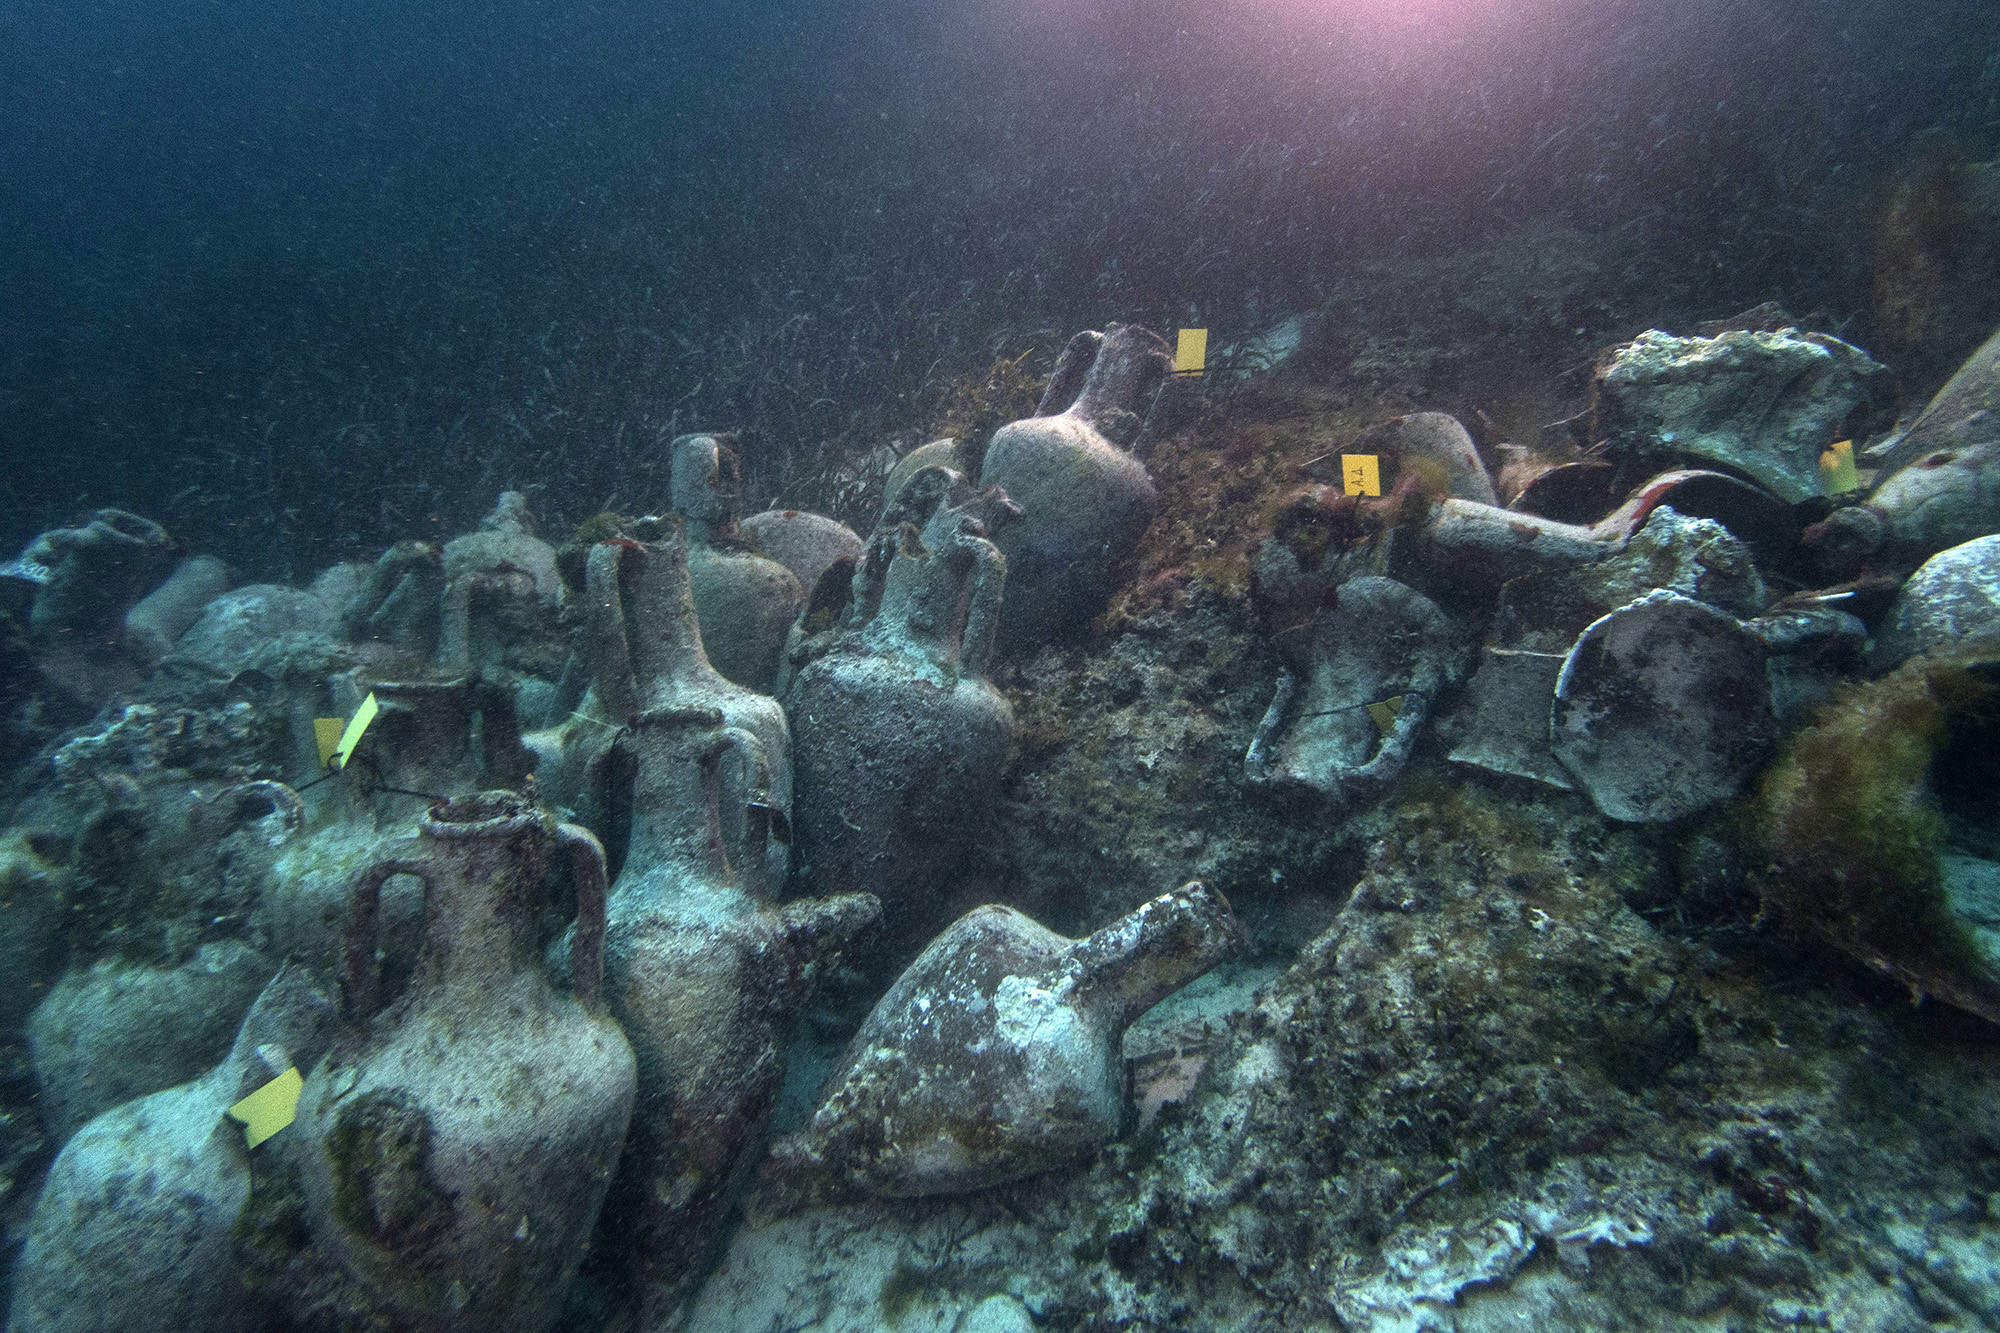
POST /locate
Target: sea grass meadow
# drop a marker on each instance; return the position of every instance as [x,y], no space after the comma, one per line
[1266,666]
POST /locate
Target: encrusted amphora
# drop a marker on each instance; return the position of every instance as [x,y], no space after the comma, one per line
[997,1054]
[747,602]
[899,739]
[647,654]
[454,1146]
[1086,500]
[707,978]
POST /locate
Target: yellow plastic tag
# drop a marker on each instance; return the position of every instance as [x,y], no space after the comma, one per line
[1191,354]
[357,726]
[1836,469]
[326,730]
[1362,473]
[270,1108]
[1386,713]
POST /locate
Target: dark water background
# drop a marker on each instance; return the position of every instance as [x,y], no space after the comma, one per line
[298,279]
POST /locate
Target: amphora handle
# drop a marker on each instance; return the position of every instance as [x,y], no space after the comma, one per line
[586,946]
[361,973]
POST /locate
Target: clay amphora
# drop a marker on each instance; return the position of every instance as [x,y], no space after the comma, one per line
[454,1146]
[996,1055]
[1086,500]
[747,602]
[707,978]
[648,655]
[899,740]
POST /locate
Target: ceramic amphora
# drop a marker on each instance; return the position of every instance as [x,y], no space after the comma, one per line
[707,978]
[747,602]
[454,1146]
[899,740]
[1086,500]
[996,1055]
[644,645]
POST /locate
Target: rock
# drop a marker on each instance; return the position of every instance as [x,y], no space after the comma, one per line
[1764,404]
[1953,600]
[1939,487]
[806,544]
[236,625]
[1434,449]
[160,618]
[1663,708]
[34,897]
[996,1055]
[119,1031]
[137,1225]
[1085,501]
[1381,641]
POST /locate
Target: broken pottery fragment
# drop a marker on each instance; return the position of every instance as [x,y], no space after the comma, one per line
[1503,726]
[899,739]
[996,1055]
[1433,448]
[137,1226]
[1568,492]
[745,601]
[1381,641]
[1663,708]
[77,585]
[1952,601]
[1085,500]
[1940,486]
[1762,404]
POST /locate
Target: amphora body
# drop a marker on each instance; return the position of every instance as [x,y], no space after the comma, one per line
[707,978]
[900,741]
[1086,500]
[454,1147]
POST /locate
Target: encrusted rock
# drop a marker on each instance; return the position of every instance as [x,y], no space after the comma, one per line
[1764,404]
[1663,708]
[996,1055]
